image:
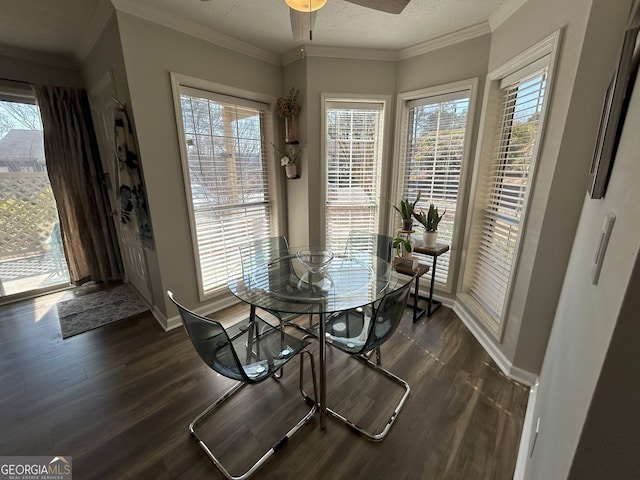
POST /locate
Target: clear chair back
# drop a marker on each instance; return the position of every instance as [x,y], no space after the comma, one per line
[360,244]
[387,317]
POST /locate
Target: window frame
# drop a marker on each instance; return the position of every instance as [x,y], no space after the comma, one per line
[402,126]
[518,67]
[385,100]
[270,131]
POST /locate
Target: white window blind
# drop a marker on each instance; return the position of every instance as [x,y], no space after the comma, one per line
[506,185]
[354,155]
[434,154]
[227,179]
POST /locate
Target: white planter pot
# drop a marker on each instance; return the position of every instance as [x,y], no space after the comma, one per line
[429,239]
[291,170]
[407,254]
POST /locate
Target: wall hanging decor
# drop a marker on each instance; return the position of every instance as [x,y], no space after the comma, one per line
[614,109]
[288,108]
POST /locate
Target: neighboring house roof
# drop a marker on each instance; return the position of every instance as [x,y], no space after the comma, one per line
[22,150]
[19,145]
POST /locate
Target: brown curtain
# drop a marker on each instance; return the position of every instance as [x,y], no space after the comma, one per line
[75,173]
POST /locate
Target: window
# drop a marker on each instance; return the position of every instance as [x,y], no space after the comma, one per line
[31,252]
[434,155]
[516,103]
[226,179]
[354,135]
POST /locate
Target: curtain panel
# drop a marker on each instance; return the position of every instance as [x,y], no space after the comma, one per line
[77,181]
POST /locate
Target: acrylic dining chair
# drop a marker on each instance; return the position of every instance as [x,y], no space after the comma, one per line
[249,356]
[360,332]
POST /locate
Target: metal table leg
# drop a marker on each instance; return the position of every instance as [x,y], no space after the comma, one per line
[418,312]
[323,373]
[433,304]
[415,300]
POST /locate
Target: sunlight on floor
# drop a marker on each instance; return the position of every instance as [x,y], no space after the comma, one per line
[42,304]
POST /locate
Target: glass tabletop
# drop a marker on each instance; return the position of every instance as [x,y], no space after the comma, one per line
[291,282]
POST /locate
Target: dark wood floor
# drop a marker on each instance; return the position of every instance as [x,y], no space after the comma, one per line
[118,400]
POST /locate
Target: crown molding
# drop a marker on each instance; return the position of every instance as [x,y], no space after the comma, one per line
[447,40]
[339,52]
[196,30]
[453,38]
[212,36]
[351,53]
[505,10]
[293,55]
[98,21]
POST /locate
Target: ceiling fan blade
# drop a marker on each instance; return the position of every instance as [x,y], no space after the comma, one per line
[301,24]
[388,6]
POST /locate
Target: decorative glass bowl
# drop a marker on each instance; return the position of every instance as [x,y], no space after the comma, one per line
[315,260]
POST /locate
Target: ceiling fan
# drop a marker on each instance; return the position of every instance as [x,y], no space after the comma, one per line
[303,13]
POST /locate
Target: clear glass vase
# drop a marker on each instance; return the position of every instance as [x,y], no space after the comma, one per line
[290,130]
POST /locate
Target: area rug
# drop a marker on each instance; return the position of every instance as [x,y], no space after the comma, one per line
[94,310]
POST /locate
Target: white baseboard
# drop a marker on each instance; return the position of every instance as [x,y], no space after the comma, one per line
[528,431]
[522,376]
[173,322]
[161,318]
[515,373]
[169,323]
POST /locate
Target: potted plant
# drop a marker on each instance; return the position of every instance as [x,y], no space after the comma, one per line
[430,222]
[404,258]
[288,159]
[407,211]
[403,247]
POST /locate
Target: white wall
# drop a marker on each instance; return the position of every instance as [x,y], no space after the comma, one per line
[456,62]
[610,438]
[296,203]
[106,56]
[587,314]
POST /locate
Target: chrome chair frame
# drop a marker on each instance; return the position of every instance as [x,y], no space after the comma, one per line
[371,344]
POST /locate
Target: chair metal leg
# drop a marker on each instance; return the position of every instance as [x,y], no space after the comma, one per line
[322,399]
[278,445]
[376,436]
[378,356]
[313,400]
[308,331]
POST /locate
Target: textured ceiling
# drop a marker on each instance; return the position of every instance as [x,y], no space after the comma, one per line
[61,26]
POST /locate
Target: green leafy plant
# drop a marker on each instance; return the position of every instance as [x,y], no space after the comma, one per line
[399,243]
[431,219]
[288,156]
[407,208]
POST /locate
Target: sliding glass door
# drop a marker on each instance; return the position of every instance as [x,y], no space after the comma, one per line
[31,253]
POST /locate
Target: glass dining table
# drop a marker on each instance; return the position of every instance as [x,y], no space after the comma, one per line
[292,282]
